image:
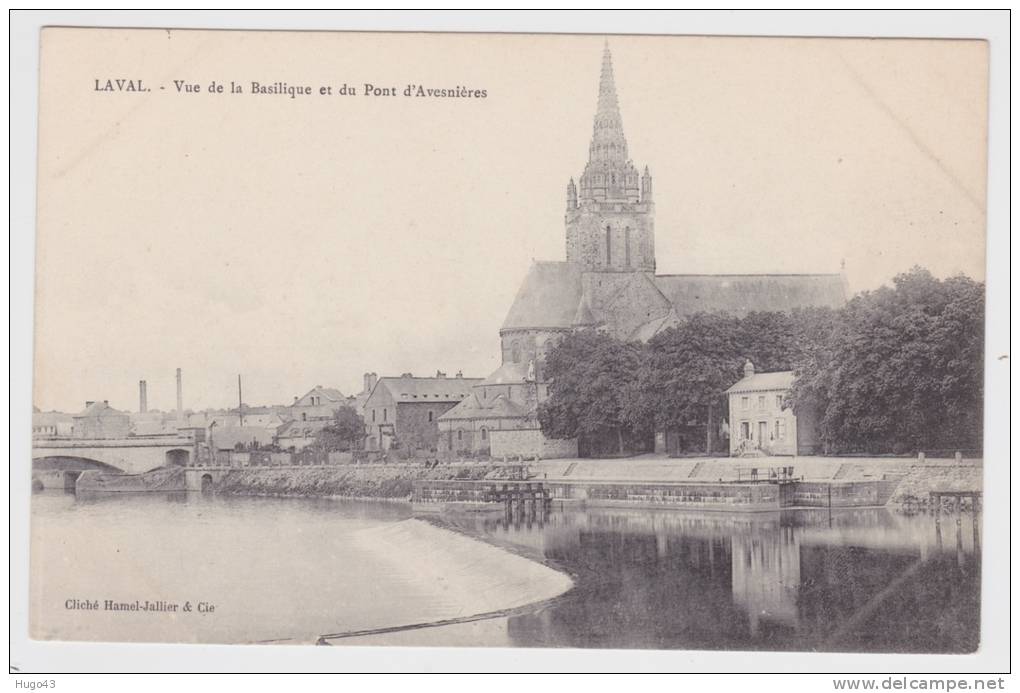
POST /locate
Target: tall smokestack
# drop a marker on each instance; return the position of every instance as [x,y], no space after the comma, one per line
[143,397]
[180,396]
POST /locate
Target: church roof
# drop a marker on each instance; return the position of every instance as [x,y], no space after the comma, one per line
[548,298]
[509,372]
[556,296]
[740,294]
[472,408]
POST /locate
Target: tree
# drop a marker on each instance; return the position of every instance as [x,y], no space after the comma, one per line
[686,372]
[591,376]
[345,431]
[901,369]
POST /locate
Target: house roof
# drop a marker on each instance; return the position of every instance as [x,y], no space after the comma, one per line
[413,389]
[558,295]
[97,409]
[50,418]
[777,380]
[298,429]
[330,393]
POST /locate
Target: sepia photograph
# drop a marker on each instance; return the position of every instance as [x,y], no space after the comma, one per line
[560,341]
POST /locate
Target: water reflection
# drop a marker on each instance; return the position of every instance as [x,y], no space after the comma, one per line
[850,580]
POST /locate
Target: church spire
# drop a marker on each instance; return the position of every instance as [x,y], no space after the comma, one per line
[608,142]
[609,175]
[610,213]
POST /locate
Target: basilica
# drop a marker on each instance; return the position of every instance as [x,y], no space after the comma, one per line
[607,282]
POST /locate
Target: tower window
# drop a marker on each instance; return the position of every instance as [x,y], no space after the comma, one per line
[609,246]
[626,246]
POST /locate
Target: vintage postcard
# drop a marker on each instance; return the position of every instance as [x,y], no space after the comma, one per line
[509,340]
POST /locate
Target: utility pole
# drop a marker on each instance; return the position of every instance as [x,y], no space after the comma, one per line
[240,407]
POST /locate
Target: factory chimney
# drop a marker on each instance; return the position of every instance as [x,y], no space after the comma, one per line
[143,396]
[180,396]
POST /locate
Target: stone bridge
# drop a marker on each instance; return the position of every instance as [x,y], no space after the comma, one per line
[128,455]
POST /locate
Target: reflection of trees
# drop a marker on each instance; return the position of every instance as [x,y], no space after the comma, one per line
[846,581]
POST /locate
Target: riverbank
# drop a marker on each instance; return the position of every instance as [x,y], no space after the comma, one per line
[375,481]
[729,483]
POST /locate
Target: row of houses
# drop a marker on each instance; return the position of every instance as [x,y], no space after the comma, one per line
[435,415]
[484,417]
[287,426]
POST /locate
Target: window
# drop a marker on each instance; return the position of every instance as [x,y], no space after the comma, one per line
[385,413]
[745,402]
[373,416]
[484,433]
[626,247]
[430,417]
[460,435]
[609,246]
[515,351]
[779,401]
[745,430]
[780,429]
[761,401]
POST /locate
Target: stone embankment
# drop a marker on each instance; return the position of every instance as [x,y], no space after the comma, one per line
[394,481]
[164,479]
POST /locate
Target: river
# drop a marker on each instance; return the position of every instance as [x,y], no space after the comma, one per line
[292,570]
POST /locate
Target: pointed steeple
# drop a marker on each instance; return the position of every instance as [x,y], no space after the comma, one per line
[608,142]
[609,175]
[610,222]
[608,106]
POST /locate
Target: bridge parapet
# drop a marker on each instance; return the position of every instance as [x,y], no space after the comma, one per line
[131,455]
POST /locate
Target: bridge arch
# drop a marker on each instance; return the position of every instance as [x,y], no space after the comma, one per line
[61,472]
[178,457]
[71,463]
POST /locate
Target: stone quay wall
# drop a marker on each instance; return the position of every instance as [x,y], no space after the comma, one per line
[392,481]
[726,496]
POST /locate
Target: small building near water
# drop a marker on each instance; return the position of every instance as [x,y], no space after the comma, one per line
[100,420]
[403,413]
[762,422]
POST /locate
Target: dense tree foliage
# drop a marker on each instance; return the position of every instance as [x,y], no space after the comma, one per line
[684,372]
[902,369]
[592,380]
[898,369]
[343,433]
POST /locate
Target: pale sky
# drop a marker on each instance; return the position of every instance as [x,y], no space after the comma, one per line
[305,241]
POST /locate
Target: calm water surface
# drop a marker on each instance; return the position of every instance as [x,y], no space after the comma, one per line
[290,570]
[866,580]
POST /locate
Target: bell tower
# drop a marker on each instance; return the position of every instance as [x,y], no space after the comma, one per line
[610,214]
